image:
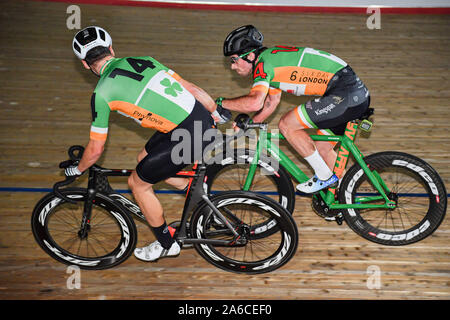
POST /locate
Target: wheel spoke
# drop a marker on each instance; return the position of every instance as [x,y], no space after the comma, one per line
[102,236]
[256,249]
[410,182]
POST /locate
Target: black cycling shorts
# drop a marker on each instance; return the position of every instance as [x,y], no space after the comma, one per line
[170,152]
[346,99]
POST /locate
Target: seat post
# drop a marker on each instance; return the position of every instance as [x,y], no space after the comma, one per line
[193,197]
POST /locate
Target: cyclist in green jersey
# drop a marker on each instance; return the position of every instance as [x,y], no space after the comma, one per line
[155,97]
[300,71]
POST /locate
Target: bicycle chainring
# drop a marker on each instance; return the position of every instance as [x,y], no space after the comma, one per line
[322,210]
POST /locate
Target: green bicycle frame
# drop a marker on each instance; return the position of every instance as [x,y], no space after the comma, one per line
[346,146]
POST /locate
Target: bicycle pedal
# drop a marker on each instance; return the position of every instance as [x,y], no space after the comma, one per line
[339,218]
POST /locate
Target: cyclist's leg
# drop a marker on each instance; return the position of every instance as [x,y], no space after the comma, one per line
[330,114]
[292,125]
[294,132]
[146,199]
[148,172]
[179,183]
[155,166]
[326,148]
[141,155]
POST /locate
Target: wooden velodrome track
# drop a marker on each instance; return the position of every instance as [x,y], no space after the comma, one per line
[44,108]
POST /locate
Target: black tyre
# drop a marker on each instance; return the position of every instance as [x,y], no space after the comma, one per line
[230,171]
[111,238]
[245,211]
[414,185]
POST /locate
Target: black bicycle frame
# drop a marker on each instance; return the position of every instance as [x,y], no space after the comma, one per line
[98,182]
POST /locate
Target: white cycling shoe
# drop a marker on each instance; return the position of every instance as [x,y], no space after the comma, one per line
[154,251]
[314,184]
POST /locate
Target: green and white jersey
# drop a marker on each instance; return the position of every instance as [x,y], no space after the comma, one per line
[296,70]
[140,88]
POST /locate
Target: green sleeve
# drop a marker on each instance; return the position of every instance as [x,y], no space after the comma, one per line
[100,118]
[100,111]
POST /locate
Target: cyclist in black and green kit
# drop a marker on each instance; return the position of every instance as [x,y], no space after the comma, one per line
[342,96]
[155,97]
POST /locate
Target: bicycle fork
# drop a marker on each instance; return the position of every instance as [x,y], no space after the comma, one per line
[85,226]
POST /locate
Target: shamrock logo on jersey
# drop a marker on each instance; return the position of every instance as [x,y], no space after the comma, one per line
[172,89]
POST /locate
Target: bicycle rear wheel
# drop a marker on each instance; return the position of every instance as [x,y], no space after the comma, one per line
[258,251]
[414,185]
[110,239]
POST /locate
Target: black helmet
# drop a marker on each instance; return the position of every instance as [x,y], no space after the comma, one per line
[241,40]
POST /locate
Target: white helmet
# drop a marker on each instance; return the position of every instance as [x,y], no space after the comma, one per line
[89,38]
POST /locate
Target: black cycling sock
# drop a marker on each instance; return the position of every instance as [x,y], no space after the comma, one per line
[162,234]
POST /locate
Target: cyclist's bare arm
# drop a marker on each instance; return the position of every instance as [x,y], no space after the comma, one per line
[270,104]
[201,95]
[92,153]
[252,102]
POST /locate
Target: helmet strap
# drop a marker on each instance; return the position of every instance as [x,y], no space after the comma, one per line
[245,55]
[252,62]
[247,60]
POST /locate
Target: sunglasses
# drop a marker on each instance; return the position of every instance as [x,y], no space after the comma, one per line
[235,59]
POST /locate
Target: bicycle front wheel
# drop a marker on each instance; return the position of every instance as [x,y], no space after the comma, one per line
[270,178]
[250,252]
[415,187]
[110,238]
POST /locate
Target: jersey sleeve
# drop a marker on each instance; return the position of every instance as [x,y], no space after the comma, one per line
[274,91]
[174,75]
[262,76]
[100,118]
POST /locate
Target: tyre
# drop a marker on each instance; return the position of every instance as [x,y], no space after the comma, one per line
[417,189]
[249,253]
[229,173]
[111,236]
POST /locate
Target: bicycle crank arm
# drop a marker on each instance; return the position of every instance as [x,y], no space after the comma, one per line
[224,243]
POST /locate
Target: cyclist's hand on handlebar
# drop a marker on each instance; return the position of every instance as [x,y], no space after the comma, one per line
[221,115]
[241,121]
[235,127]
[72,171]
